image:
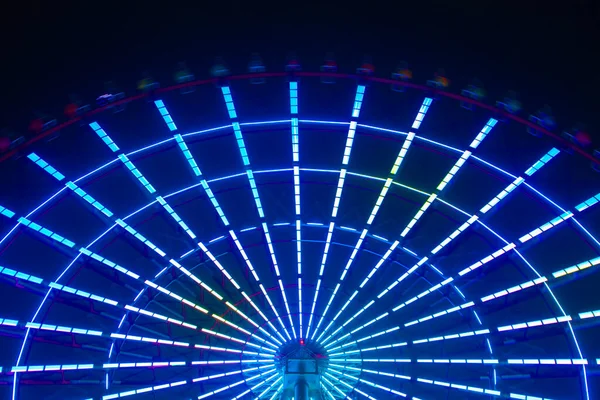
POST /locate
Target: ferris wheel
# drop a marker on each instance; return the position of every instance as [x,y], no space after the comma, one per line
[297,234]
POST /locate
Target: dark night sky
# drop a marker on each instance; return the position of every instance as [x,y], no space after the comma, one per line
[547,52]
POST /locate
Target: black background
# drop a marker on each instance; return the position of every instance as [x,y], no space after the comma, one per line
[547,51]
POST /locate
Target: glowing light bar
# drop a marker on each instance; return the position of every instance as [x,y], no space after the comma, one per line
[546,158]
[577,267]
[532,324]
[514,289]
[486,129]
[46,232]
[136,173]
[454,234]
[418,215]
[95,203]
[358,99]
[105,138]
[6,212]
[140,237]
[293,97]
[187,154]
[176,217]
[422,111]
[162,109]
[348,147]
[549,225]
[229,102]
[459,163]
[487,259]
[512,186]
[588,203]
[46,167]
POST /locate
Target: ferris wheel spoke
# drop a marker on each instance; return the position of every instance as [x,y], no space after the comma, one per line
[358,100]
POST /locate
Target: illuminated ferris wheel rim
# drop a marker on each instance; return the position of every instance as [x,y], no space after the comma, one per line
[436,92]
[386,131]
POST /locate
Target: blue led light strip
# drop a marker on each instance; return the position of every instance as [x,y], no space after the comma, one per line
[132,168]
[293,86]
[535,167]
[246,161]
[6,212]
[360,90]
[124,159]
[46,167]
[93,202]
[46,232]
[588,203]
[162,109]
[105,138]
[421,114]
